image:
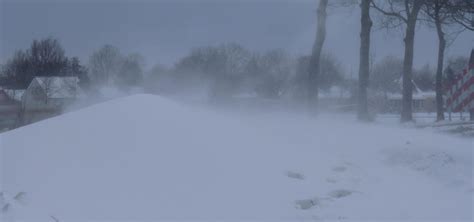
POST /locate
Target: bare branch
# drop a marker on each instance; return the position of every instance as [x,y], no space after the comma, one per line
[389,13]
[465,24]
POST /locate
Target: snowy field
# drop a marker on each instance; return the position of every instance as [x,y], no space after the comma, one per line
[458,126]
[147,158]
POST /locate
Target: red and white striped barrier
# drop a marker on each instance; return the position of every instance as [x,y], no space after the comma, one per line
[460,96]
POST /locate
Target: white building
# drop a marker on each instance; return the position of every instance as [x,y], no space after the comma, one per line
[48,96]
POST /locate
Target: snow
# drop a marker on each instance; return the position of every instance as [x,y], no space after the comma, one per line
[147,158]
[15,94]
[335,92]
[417,95]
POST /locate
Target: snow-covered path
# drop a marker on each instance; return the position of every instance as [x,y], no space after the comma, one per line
[146,158]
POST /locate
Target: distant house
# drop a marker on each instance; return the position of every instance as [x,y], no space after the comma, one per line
[421,102]
[15,94]
[391,102]
[48,96]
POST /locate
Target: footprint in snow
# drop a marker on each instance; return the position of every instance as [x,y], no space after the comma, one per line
[20,197]
[331,180]
[306,204]
[318,202]
[6,203]
[339,169]
[295,175]
[336,194]
[5,208]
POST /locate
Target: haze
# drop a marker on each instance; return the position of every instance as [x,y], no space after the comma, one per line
[236,110]
[163,30]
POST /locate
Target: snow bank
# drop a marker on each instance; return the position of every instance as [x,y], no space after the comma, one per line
[145,158]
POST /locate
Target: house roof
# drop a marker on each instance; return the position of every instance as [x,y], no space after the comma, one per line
[335,92]
[421,95]
[15,94]
[59,87]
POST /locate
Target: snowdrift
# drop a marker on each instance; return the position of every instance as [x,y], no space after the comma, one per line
[146,158]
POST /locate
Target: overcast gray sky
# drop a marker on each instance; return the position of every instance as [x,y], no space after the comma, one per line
[164,30]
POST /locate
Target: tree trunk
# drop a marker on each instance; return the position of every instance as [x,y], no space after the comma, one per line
[439,69]
[366,25]
[471,65]
[20,121]
[314,65]
[407,99]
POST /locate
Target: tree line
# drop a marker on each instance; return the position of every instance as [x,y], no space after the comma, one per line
[228,69]
[444,15]
[44,58]
[220,71]
[223,70]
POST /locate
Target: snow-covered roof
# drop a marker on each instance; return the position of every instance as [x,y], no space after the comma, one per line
[335,92]
[417,95]
[15,94]
[59,87]
[248,95]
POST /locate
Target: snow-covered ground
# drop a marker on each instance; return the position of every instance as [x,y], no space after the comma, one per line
[422,118]
[147,158]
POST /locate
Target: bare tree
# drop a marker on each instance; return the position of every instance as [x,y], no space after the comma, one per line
[462,11]
[81,72]
[331,74]
[104,64]
[386,74]
[315,60]
[17,72]
[437,11]
[45,57]
[403,12]
[235,56]
[471,65]
[366,25]
[443,15]
[130,73]
[273,70]
[424,78]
